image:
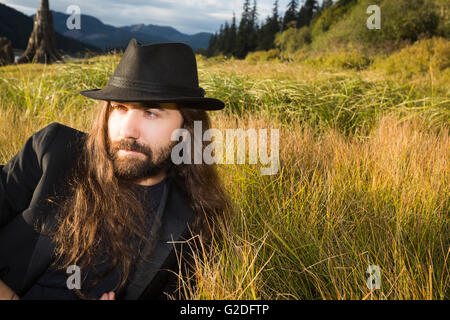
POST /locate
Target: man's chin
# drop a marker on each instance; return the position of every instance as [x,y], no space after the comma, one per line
[135,170]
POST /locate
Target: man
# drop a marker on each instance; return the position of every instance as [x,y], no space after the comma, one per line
[111,203]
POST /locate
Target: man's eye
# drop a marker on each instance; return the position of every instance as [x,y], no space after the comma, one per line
[118,107]
[151,114]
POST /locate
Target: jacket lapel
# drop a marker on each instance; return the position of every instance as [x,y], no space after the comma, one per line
[175,215]
[43,252]
[40,260]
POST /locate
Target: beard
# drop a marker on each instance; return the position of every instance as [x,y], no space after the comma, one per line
[138,166]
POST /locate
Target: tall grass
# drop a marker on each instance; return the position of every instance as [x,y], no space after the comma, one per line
[338,205]
[363,179]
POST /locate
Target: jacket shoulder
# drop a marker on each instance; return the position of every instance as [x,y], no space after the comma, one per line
[55,134]
[56,126]
[53,129]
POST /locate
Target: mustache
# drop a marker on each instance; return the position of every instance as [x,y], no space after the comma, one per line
[130,144]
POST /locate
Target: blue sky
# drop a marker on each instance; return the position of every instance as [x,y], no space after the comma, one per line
[187,16]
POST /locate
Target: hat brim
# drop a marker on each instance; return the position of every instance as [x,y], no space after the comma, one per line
[111,93]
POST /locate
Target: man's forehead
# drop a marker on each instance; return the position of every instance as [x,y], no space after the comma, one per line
[146,105]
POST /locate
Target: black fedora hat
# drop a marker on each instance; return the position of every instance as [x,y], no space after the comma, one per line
[161,72]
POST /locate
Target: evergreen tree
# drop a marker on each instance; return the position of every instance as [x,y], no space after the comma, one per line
[269,29]
[244,31]
[220,42]
[226,39]
[290,16]
[253,28]
[306,13]
[326,4]
[231,44]
[211,45]
[275,25]
[264,38]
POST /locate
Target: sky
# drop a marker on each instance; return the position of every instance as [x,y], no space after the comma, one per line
[187,16]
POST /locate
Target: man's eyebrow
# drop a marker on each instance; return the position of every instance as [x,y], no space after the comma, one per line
[142,106]
[159,107]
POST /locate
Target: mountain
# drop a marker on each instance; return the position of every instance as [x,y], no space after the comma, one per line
[17,27]
[105,36]
[94,35]
[198,40]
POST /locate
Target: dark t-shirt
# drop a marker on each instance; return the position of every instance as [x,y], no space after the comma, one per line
[53,283]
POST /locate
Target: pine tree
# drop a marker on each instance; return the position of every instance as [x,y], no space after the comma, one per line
[264,39]
[275,25]
[226,39]
[243,35]
[253,28]
[220,43]
[326,4]
[290,16]
[231,46]
[211,45]
[306,13]
[269,29]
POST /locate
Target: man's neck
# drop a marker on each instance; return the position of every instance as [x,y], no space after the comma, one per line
[153,180]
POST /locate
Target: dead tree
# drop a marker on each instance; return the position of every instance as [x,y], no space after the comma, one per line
[6,52]
[41,46]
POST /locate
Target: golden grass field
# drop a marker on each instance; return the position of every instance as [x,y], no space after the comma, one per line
[363,180]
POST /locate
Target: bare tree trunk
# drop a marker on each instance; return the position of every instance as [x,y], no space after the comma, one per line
[41,46]
[6,52]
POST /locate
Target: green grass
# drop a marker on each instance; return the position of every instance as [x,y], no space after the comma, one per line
[363,177]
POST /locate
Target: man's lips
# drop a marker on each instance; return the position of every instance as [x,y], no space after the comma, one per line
[125,151]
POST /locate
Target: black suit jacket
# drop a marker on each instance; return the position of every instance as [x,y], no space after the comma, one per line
[39,171]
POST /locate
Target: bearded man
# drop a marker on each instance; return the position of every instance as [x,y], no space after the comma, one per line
[110,204]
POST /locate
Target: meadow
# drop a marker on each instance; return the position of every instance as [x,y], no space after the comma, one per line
[364,169]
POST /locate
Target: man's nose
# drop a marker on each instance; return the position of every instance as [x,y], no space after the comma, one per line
[130,125]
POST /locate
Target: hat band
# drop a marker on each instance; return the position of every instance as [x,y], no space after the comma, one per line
[153,87]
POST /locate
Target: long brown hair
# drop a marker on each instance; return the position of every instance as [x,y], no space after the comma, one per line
[104,214]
